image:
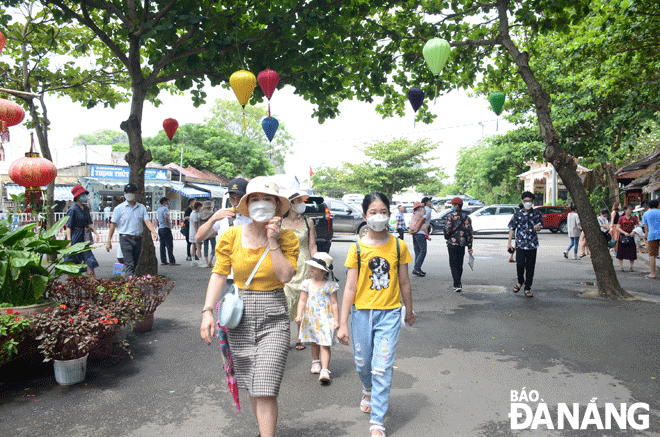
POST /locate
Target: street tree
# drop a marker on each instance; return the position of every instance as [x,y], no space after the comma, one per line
[489,42]
[182,44]
[228,115]
[211,148]
[40,60]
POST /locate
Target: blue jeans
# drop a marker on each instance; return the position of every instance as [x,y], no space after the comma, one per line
[419,244]
[375,335]
[575,241]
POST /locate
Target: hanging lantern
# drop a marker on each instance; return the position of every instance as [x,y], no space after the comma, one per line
[268,80]
[436,52]
[3,41]
[416,98]
[10,115]
[270,126]
[497,102]
[243,83]
[32,172]
[170,125]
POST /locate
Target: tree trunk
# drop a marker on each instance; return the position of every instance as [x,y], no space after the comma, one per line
[612,183]
[42,137]
[607,281]
[137,159]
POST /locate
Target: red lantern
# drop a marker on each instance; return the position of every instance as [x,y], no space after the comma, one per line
[32,172]
[11,113]
[268,80]
[170,125]
[3,41]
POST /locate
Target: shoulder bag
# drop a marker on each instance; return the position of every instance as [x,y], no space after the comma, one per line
[230,307]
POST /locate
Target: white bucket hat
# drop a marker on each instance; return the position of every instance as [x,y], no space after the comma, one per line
[263,185]
[321,260]
[298,193]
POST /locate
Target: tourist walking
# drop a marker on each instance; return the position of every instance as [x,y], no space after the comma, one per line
[303,228]
[400,222]
[614,220]
[626,249]
[574,230]
[318,312]
[418,229]
[107,213]
[195,223]
[185,229]
[205,215]
[376,282]
[524,225]
[260,343]
[129,218]
[223,219]
[165,233]
[651,223]
[458,233]
[79,221]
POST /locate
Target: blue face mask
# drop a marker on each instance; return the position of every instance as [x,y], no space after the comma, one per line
[453,208]
[82,198]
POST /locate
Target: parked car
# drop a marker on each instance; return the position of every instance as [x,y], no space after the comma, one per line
[346,217]
[492,218]
[554,218]
[318,211]
[438,221]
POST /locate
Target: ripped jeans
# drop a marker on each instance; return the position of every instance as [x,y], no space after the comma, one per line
[375,334]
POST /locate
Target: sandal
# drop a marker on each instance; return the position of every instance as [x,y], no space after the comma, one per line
[517,288]
[316,366]
[528,293]
[379,428]
[365,405]
[300,346]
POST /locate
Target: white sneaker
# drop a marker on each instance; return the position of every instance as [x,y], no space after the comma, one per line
[324,377]
[575,257]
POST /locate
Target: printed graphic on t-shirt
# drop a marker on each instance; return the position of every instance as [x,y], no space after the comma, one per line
[380,273]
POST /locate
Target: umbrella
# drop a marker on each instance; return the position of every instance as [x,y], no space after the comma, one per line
[228,364]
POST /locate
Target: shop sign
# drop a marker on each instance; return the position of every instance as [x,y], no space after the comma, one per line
[110,172]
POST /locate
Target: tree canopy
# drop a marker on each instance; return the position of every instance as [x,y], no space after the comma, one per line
[116,138]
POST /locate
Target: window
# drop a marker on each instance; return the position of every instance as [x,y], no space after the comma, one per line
[505,210]
[488,211]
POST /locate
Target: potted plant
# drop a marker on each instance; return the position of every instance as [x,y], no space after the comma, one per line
[66,334]
[150,291]
[14,328]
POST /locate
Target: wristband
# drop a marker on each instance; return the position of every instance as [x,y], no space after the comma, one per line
[207,309]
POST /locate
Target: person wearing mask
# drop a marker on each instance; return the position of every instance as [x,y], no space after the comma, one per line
[627,248]
[205,215]
[524,225]
[651,223]
[129,219]
[185,229]
[458,233]
[428,210]
[574,229]
[260,342]
[165,233]
[223,219]
[400,222]
[79,221]
[418,230]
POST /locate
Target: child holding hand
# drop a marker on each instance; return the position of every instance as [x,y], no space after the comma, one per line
[318,312]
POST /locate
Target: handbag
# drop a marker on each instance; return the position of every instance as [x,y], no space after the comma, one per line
[230,307]
[626,240]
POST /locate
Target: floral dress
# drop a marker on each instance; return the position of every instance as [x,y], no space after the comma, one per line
[292,288]
[317,323]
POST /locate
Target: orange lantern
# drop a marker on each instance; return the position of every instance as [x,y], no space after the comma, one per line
[32,172]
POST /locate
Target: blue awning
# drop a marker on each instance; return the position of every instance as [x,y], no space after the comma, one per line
[62,192]
[216,190]
[190,192]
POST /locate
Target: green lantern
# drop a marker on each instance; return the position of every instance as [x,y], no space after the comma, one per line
[496,102]
[436,52]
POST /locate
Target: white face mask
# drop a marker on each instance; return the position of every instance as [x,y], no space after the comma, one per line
[299,207]
[129,196]
[261,211]
[527,205]
[378,222]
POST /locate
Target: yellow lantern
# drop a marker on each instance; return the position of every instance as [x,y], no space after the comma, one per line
[243,83]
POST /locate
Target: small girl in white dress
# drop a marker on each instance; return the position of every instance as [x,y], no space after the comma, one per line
[318,312]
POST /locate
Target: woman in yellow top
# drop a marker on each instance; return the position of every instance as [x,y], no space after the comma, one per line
[260,342]
[375,285]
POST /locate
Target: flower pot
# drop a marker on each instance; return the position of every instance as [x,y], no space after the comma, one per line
[28,310]
[69,372]
[144,325]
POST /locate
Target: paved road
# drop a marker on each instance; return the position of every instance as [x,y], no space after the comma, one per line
[455,368]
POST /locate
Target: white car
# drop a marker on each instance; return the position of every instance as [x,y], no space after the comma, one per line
[492,218]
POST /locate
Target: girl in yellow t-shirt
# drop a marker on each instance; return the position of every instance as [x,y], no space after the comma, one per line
[376,281]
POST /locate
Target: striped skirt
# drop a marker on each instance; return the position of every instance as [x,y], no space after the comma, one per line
[260,343]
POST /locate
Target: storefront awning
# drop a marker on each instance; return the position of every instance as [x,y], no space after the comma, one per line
[216,191]
[62,192]
[190,192]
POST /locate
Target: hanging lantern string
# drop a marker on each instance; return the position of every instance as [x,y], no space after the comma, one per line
[268,108]
[31,142]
